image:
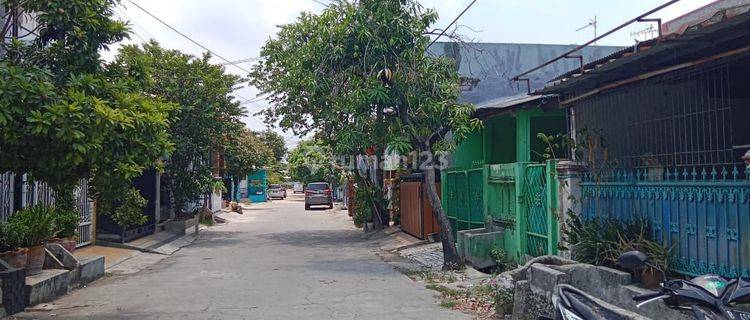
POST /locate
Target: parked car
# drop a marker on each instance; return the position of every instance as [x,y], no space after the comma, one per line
[318,194]
[298,188]
[276,191]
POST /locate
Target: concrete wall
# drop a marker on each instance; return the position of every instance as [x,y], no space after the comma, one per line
[533,294]
[487,67]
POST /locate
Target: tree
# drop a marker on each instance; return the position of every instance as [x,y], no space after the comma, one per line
[311,92]
[358,73]
[312,161]
[64,115]
[246,153]
[275,142]
[277,145]
[204,119]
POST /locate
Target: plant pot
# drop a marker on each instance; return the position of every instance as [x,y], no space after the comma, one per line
[651,278]
[35,260]
[68,243]
[16,258]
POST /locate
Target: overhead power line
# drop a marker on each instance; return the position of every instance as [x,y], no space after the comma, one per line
[240,61]
[453,22]
[321,3]
[124,13]
[188,38]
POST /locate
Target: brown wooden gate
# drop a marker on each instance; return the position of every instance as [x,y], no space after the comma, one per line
[416,210]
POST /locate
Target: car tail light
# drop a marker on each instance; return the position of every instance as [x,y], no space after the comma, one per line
[307,192]
[328,192]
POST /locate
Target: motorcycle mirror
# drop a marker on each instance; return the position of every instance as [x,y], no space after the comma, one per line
[633,260]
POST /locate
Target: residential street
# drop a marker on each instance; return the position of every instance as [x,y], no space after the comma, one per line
[275,262]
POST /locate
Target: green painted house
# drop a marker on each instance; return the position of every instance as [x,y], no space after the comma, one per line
[500,178]
[485,184]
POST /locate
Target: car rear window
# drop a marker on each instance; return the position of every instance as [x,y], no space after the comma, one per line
[274,186]
[317,186]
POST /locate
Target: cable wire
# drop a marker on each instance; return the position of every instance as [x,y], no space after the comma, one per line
[124,13]
[454,21]
[188,38]
[241,61]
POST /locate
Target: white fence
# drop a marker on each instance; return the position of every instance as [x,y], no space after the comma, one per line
[35,192]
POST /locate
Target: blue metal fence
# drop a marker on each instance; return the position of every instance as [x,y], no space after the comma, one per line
[702,214]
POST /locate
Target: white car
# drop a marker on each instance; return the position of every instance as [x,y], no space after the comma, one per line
[276,191]
[298,188]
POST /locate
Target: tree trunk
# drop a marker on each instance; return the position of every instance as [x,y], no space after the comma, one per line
[170,195]
[382,220]
[451,259]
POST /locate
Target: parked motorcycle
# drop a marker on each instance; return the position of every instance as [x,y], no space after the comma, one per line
[708,297]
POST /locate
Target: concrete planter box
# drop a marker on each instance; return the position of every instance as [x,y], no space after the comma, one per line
[12,290]
[46,286]
[182,227]
[475,246]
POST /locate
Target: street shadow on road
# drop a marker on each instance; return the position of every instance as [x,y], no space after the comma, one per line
[317,238]
[215,239]
[93,314]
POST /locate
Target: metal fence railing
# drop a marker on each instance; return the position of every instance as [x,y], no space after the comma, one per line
[18,192]
[702,216]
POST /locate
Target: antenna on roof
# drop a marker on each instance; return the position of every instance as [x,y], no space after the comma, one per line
[592,23]
[647,33]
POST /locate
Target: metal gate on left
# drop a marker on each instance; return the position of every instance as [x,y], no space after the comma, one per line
[85,213]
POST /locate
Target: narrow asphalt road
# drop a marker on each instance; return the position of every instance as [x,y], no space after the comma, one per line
[278,261]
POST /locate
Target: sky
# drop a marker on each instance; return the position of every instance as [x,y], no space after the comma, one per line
[237,29]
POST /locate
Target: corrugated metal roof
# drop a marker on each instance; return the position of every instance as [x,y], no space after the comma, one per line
[683,30]
[507,104]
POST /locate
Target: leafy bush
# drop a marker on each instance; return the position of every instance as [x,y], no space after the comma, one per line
[65,223]
[34,225]
[130,212]
[601,240]
[219,187]
[10,237]
[501,258]
[366,199]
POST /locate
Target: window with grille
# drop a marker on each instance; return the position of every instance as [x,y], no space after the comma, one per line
[696,118]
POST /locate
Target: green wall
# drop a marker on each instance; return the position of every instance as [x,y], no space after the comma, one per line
[510,138]
[549,125]
[500,140]
[470,151]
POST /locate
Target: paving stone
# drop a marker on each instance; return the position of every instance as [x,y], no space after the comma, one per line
[430,255]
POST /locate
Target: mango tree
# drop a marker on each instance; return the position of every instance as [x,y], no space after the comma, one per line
[358,74]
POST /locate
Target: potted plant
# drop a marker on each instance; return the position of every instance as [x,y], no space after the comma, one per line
[10,239]
[37,221]
[65,228]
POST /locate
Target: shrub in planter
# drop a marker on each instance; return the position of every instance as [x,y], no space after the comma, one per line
[130,212]
[37,223]
[65,228]
[600,241]
[10,240]
[366,199]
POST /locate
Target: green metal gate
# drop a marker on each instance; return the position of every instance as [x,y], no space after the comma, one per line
[540,204]
[475,195]
[502,204]
[519,197]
